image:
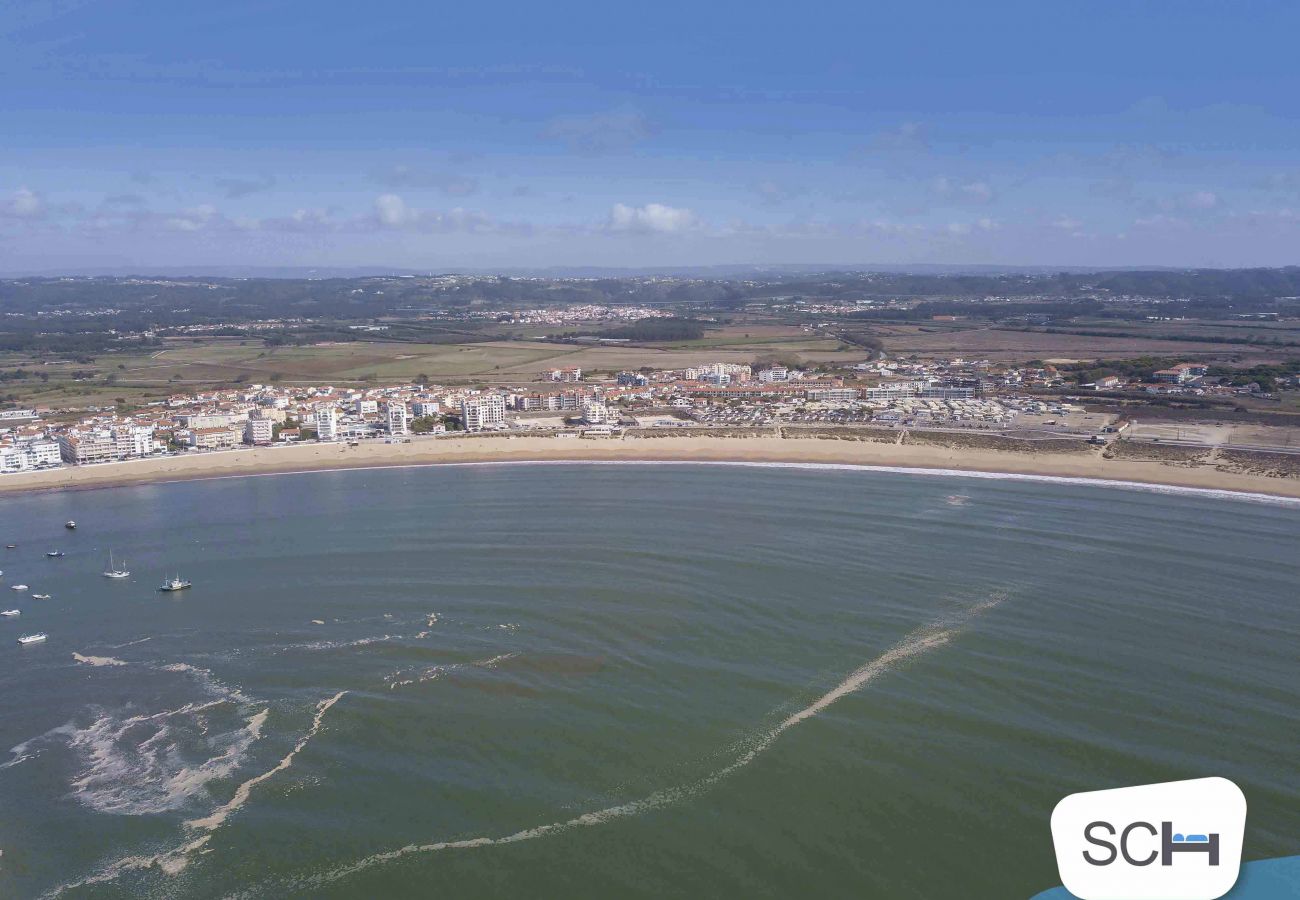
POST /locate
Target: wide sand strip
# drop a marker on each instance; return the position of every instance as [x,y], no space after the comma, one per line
[1084,463]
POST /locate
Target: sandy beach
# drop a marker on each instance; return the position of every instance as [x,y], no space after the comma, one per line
[1085,463]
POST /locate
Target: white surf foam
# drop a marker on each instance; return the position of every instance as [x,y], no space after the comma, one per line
[135,766]
[129,643]
[913,645]
[97,660]
[406,678]
[340,645]
[174,861]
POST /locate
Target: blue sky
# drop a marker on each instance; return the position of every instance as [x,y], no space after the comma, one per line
[445,136]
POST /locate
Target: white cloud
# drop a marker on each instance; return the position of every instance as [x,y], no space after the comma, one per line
[392,211]
[652,218]
[26,204]
[1201,200]
[194,219]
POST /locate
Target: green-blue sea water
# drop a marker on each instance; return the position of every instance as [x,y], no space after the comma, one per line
[591,681]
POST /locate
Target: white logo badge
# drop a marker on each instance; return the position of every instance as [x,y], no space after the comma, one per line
[1175,841]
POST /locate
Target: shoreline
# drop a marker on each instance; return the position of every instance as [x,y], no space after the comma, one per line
[1082,466]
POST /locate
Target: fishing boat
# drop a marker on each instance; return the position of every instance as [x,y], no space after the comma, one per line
[10,546]
[32,638]
[70,525]
[17,587]
[114,570]
[40,596]
[11,613]
[54,554]
[174,584]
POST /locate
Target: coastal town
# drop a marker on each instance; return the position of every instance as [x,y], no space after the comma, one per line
[955,395]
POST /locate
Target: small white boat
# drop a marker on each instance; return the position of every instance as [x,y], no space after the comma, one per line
[114,570]
[54,554]
[70,525]
[40,596]
[32,638]
[11,613]
[174,584]
[17,587]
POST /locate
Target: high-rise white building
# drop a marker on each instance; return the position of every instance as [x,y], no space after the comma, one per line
[259,431]
[486,411]
[327,422]
[395,415]
[595,413]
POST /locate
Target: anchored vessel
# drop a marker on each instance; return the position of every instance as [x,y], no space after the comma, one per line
[70,525]
[11,612]
[115,571]
[32,638]
[54,554]
[174,584]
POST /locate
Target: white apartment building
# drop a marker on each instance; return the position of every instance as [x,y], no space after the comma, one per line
[214,438]
[834,394]
[259,431]
[363,406]
[567,374]
[106,444]
[484,412]
[423,408]
[29,455]
[395,417]
[595,413]
[776,373]
[327,422]
[205,420]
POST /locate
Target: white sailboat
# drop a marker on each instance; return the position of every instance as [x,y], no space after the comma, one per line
[114,570]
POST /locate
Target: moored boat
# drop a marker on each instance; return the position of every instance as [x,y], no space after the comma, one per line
[174,584]
[54,554]
[17,587]
[114,570]
[32,638]
[40,596]
[70,525]
[11,613]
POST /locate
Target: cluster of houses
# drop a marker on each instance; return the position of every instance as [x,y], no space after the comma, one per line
[256,415]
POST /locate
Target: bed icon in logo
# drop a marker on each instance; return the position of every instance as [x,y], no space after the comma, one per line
[1123,844]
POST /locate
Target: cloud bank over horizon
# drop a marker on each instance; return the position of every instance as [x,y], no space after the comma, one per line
[323,134]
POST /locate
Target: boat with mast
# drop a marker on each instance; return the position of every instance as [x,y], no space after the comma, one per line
[114,570]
